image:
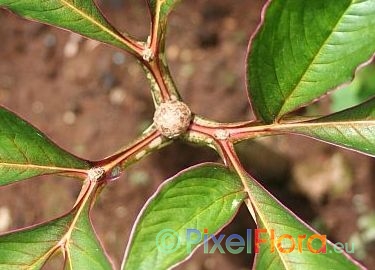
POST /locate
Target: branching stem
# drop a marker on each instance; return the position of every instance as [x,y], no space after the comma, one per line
[150,140]
[155,71]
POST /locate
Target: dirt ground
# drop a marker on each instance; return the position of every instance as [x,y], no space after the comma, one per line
[93,99]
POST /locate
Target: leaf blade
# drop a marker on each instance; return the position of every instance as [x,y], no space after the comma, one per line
[84,248]
[159,215]
[304,49]
[71,234]
[31,248]
[82,17]
[272,215]
[26,152]
[162,8]
[353,128]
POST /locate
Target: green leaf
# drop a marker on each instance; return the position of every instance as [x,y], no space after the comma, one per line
[353,128]
[71,234]
[306,48]
[83,250]
[31,248]
[80,16]
[160,9]
[26,152]
[361,89]
[273,217]
[203,197]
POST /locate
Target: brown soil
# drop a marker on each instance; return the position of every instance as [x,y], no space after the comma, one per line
[95,100]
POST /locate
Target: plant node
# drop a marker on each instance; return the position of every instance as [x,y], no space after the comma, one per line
[94,174]
[147,54]
[221,134]
[172,118]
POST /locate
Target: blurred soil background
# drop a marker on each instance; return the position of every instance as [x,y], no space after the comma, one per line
[93,99]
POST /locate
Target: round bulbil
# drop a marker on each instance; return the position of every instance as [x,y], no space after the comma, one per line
[172,118]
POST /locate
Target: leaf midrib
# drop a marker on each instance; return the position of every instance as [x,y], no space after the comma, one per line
[308,124]
[263,219]
[95,22]
[40,167]
[321,124]
[312,62]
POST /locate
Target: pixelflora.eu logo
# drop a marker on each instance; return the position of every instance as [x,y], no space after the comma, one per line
[169,241]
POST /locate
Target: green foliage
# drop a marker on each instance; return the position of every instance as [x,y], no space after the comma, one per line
[301,51]
[362,88]
[71,235]
[83,249]
[80,16]
[26,152]
[272,215]
[185,201]
[161,9]
[352,128]
[306,48]
[32,247]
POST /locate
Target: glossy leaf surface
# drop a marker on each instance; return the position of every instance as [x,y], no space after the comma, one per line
[201,198]
[83,250]
[361,89]
[353,128]
[306,48]
[71,234]
[80,16]
[289,231]
[162,8]
[31,248]
[27,152]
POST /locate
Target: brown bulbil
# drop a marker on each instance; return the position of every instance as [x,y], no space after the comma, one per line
[172,118]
